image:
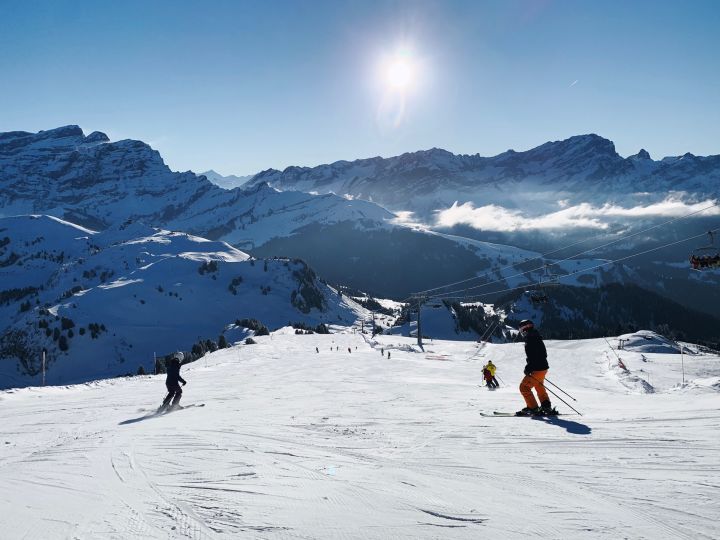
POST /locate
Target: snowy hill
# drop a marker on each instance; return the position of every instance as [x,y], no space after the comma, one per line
[581,169]
[292,443]
[442,320]
[103,304]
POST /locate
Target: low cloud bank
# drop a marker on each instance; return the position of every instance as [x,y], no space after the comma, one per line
[498,218]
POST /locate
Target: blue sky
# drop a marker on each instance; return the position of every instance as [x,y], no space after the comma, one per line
[245,86]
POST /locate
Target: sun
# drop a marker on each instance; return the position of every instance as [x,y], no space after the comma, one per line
[399,72]
[399,77]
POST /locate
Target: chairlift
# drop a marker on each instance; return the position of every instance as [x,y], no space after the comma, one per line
[537,296]
[706,257]
[549,279]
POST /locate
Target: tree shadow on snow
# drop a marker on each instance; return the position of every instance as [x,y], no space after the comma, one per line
[575,428]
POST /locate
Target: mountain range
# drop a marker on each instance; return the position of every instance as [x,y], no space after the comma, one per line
[95,183]
[580,169]
[100,234]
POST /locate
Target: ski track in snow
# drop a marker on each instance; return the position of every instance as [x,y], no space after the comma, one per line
[296,445]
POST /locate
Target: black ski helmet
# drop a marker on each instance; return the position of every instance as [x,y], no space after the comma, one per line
[525,324]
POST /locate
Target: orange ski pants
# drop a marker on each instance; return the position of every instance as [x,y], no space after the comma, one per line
[534,380]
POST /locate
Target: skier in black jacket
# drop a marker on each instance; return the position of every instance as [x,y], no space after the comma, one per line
[172,382]
[535,371]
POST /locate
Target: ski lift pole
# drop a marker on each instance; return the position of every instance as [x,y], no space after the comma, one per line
[554,394]
[563,391]
[682,362]
[420,301]
[611,348]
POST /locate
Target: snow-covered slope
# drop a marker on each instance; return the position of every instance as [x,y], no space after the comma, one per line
[103,304]
[438,321]
[581,169]
[292,443]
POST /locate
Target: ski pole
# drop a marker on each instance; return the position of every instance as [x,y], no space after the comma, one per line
[503,382]
[563,391]
[554,394]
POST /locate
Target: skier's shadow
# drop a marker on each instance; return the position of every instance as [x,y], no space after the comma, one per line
[138,419]
[575,428]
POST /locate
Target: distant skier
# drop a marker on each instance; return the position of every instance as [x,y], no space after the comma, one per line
[317,350]
[488,378]
[172,382]
[489,375]
[535,371]
[492,369]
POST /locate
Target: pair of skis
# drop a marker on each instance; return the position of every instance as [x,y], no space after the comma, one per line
[166,410]
[540,415]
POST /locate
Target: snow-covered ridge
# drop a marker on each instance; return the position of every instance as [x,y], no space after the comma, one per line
[103,303]
[583,168]
[97,183]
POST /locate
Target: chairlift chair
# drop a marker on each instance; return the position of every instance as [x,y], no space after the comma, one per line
[706,257]
[549,279]
[537,296]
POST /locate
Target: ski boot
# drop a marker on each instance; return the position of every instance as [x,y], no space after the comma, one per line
[548,409]
[174,406]
[529,411]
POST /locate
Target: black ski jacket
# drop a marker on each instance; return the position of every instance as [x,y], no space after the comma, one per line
[173,375]
[535,352]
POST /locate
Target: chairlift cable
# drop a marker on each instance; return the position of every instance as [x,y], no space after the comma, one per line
[539,257]
[584,269]
[573,256]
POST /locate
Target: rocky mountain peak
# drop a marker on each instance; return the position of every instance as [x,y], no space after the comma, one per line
[642,155]
[590,143]
[97,137]
[61,132]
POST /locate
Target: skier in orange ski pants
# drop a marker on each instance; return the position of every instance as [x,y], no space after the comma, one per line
[535,371]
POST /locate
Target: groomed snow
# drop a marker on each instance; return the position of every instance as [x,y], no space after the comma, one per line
[292,443]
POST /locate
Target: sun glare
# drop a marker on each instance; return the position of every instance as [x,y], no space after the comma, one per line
[399,78]
[399,73]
